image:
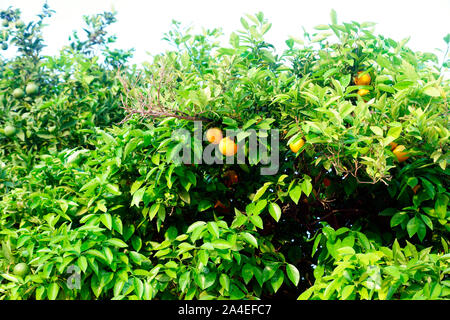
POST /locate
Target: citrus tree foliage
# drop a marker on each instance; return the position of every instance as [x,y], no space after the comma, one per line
[94,207]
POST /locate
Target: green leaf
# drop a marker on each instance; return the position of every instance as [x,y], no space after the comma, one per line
[10,277]
[244,23]
[82,263]
[427,221]
[377,130]
[333,16]
[316,244]
[138,287]
[195,225]
[364,240]
[131,145]
[275,211]
[106,219]
[394,132]
[268,272]
[432,92]
[257,221]
[236,293]
[114,189]
[322,27]
[295,193]
[136,242]
[398,218]
[412,227]
[117,224]
[259,206]
[306,294]
[224,280]
[108,254]
[238,221]
[118,286]
[261,191]
[137,197]
[153,210]
[40,293]
[162,212]
[293,273]
[250,239]
[135,186]
[247,272]
[347,291]
[277,280]
[184,195]
[52,291]
[441,205]
[117,243]
[206,280]
[203,257]
[307,186]
[221,244]
[213,229]
[345,81]
[204,205]
[184,281]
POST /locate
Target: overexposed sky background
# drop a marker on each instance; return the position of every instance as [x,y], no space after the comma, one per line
[142,23]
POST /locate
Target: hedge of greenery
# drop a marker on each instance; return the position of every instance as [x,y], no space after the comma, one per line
[94,207]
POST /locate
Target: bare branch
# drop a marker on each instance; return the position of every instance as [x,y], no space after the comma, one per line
[148,102]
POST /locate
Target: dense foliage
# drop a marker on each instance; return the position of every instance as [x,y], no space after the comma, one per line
[94,207]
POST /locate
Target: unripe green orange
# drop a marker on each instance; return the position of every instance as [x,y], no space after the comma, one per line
[18,93]
[9,130]
[21,269]
[19,24]
[31,88]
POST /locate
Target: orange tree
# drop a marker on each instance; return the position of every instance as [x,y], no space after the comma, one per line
[348,215]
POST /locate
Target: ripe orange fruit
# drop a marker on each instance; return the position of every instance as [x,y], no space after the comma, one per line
[214,135]
[231,178]
[220,207]
[363,80]
[227,147]
[295,146]
[326,182]
[363,92]
[393,145]
[400,153]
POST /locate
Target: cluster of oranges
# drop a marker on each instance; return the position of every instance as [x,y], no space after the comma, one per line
[228,148]
[226,145]
[362,80]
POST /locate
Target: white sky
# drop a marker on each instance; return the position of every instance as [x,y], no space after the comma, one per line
[141,24]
